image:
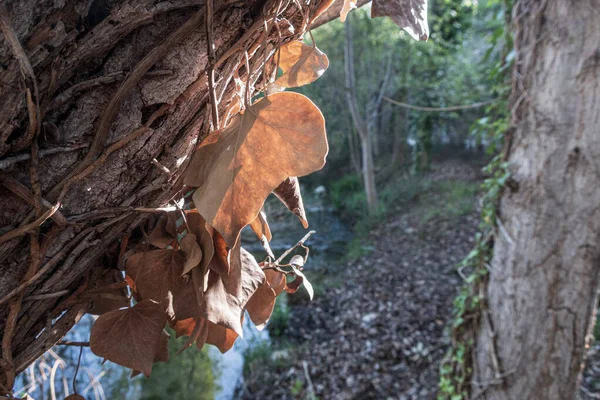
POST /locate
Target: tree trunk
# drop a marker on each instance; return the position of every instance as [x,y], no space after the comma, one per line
[118,100]
[368,173]
[543,282]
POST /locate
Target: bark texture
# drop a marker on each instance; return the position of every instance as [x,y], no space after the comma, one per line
[120,88]
[544,275]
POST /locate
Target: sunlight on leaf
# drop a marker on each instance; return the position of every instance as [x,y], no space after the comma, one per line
[235,169]
[301,64]
[289,194]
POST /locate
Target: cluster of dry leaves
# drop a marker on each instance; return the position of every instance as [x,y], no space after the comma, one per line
[191,272]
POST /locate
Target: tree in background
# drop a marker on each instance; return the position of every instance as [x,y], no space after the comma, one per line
[543,279]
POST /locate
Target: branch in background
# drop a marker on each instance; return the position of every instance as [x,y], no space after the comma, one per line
[441,109]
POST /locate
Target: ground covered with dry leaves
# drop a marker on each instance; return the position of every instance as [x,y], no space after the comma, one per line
[376,329]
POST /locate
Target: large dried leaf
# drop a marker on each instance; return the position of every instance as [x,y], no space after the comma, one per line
[410,15]
[157,273]
[224,307]
[193,253]
[162,351]
[131,337]
[235,169]
[289,194]
[301,64]
[261,304]
[348,6]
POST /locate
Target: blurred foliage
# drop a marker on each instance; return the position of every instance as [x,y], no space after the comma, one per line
[452,68]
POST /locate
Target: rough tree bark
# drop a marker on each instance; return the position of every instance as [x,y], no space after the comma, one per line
[118,99]
[544,275]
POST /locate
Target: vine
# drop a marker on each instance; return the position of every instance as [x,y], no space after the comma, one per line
[470,305]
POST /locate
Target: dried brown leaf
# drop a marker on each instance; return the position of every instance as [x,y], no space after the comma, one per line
[131,337]
[293,286]
[74,396]
[193,253]
[224,306]
[235,169]
[410,15]
[261,304]
[221,337]
[158,272]
[301,64]
[289,194]
[204,238]
[260,226]
[261,229]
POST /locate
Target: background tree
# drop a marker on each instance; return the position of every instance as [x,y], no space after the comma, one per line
[543,278]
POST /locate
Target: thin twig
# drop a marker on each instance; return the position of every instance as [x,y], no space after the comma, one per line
[161,167]
[311,389]
[47,295]
[23,192]
[71,343]
[300,243]
[77,369]
[589,394]
[23,230]
[209,11]
[7,162]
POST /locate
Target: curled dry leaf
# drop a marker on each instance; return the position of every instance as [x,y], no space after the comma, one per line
[204,238]
[133,337]
[299,280]
[289,194]
[236,168]
[410,15]
[193,253]
[261,229]
[301,64]
[348,6]
[155,273]
[164,232]
[261,304]
[260,226]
